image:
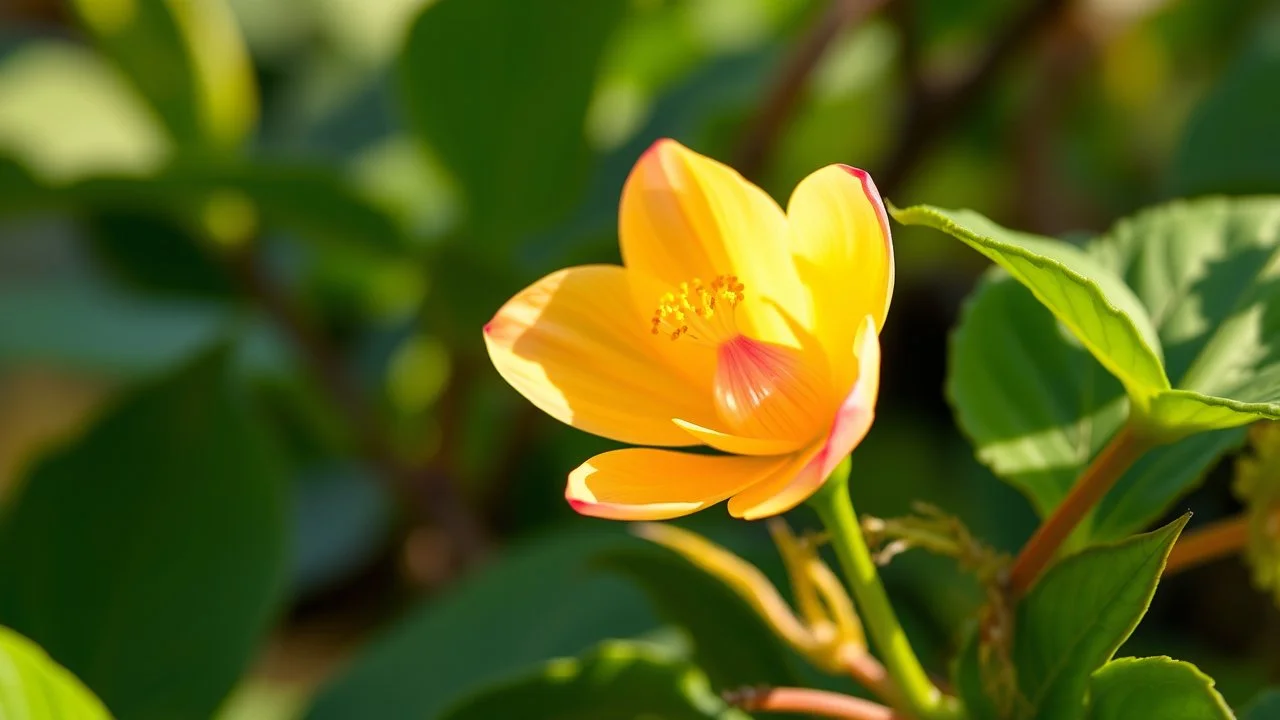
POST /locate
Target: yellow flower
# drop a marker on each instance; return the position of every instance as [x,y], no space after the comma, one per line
[731,324]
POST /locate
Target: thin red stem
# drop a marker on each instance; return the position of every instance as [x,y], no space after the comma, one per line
[816,703]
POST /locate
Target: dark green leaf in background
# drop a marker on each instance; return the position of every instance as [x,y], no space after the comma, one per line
[149,556]
[186,59]
[539,601]
[34,687]
[1157,687]
[1230,144]
[499,89]
[1264,707]
[619,680]
[731,643]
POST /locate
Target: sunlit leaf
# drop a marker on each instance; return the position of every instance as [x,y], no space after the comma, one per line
[619,680]
[186,58]
[35,687]
[1038,407]
[1157,687]
[148,556]
[1101,311]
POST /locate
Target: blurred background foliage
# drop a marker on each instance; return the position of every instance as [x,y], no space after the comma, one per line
[253,461]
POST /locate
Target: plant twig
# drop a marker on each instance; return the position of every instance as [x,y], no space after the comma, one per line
[783,96]
[1092,485]
[816,703]
[930,114]
[424,487]
[1211,542]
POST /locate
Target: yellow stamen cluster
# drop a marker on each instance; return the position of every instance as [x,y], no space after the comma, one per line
[700,310]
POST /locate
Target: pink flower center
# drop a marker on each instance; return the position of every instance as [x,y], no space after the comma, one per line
[766,390]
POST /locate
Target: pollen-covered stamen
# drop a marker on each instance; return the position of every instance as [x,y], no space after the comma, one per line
[703,312]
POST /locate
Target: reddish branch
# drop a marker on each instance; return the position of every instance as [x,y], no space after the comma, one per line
[816,703]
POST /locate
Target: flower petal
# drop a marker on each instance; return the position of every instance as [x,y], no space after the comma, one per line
[687,216]
[575,345]
[844,254]
[784,491]
[737,444]
[645,484]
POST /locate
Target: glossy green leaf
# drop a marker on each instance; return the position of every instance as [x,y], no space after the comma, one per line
[1038,407]
[1079,614]
[149,555]
[186,58]
[1264,707]
[35,687]
[1208,271]
[619,680]
[1157,687]
[1068,626]
[535,603]
[1101,311]
[510,128]
[1230,144]
[731,643]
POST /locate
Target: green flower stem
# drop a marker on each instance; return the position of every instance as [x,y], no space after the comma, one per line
[919,697]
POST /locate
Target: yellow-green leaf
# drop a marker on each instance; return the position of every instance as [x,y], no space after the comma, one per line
[187,58]
[1154,687]
[1097,306]
[35,687]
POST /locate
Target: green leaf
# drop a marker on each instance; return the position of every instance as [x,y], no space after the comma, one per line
[1157,687]
[1264,707]
[535,603]
[34,687]
[1207,270]
[1097,306]
[1038,408]
[619,680]
[510,128]
[186,58]
[731,643]
[1230,143]
[1068,626]
[149,555]
[1204,261]
[1078,615]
